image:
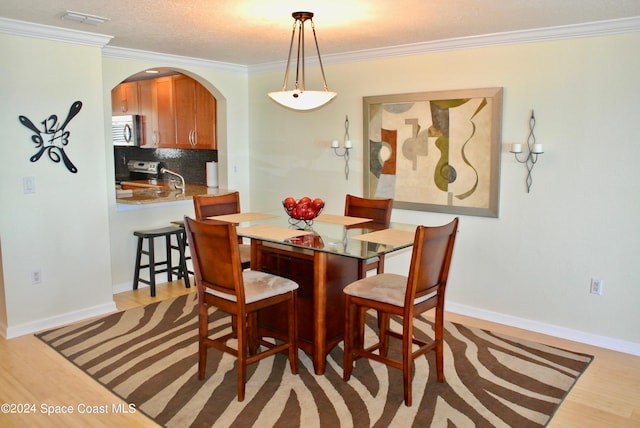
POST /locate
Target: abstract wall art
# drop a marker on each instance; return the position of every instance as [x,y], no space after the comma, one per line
[435,151]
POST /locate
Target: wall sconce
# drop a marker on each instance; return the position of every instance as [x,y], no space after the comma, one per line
[534,148]
[335,145]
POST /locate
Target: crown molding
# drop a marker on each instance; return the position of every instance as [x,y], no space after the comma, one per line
[171,60]
[591,29]
[48,32]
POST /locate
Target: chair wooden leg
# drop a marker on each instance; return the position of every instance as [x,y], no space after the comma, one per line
[383,323]
[358,341]
[439,337]
[380,266]
[293,332]
[203,331]
[252,333]
[407,360]
[242,355]
[347,364]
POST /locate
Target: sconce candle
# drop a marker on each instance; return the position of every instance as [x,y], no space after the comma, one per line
[537,148]
[335,144]
[516,148]
[347,144]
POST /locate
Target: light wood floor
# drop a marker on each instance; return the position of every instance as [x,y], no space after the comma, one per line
[32,374]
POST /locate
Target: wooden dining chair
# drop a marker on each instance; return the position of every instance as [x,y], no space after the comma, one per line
[379,211]
[222,283]
[214,205]
[405,297]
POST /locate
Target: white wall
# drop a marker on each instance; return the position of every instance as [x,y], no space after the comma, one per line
[531,266]
[62,228]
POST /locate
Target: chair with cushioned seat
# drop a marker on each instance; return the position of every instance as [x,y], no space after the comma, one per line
[214,205]
[405,297]
[155,266]
[379,211]
[222,283]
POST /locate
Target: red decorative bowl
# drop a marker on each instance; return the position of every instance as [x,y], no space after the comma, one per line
[304,209]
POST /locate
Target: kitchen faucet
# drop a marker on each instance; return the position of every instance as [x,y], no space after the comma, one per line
[180,186]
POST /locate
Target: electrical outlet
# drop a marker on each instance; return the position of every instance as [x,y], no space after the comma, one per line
[29,185]
[596,286]
[36,277]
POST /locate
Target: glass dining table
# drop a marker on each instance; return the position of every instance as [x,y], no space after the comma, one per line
[323,257]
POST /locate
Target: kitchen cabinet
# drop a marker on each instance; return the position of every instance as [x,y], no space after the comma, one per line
[157,112]
[147,101]
[124,99]
[176,111]
[195,112]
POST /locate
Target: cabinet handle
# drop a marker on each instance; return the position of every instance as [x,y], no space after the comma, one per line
[155,137]
[195,138]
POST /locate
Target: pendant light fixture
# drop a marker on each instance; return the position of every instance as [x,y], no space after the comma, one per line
[299,98]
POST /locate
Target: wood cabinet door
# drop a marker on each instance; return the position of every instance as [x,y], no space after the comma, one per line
[164,108]
[148,114]
[116,101]
[205,137]
[124,98]
[185,107]
[195,114]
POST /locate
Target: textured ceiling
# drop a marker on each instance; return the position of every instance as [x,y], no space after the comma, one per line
[257,31]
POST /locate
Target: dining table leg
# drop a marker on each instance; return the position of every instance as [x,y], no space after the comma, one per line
[320,312]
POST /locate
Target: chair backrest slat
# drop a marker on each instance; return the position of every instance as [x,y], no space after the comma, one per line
[213,205]
[379,210]
[430,260]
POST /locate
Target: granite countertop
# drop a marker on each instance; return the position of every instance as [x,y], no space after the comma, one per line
[142,192]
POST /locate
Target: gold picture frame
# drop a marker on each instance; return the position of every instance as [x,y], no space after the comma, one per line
[435,151]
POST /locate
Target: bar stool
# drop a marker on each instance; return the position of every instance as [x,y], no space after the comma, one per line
[165,266]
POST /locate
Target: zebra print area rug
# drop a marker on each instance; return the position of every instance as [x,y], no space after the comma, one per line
[148,356]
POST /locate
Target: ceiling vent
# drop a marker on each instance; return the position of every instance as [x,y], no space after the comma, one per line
[84,18]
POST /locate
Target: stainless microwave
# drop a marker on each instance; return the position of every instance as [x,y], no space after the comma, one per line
[125,130]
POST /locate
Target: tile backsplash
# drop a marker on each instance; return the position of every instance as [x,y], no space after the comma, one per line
[191,164]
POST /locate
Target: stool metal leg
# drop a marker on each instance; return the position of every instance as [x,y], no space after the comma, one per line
[169,261]
[136,273]
[152,266]
[183,260]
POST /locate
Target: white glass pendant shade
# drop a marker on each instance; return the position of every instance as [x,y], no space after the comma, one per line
[298,100]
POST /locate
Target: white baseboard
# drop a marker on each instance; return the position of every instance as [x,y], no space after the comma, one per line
[121,288]
[59,320]
[549,329]
[161,278]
